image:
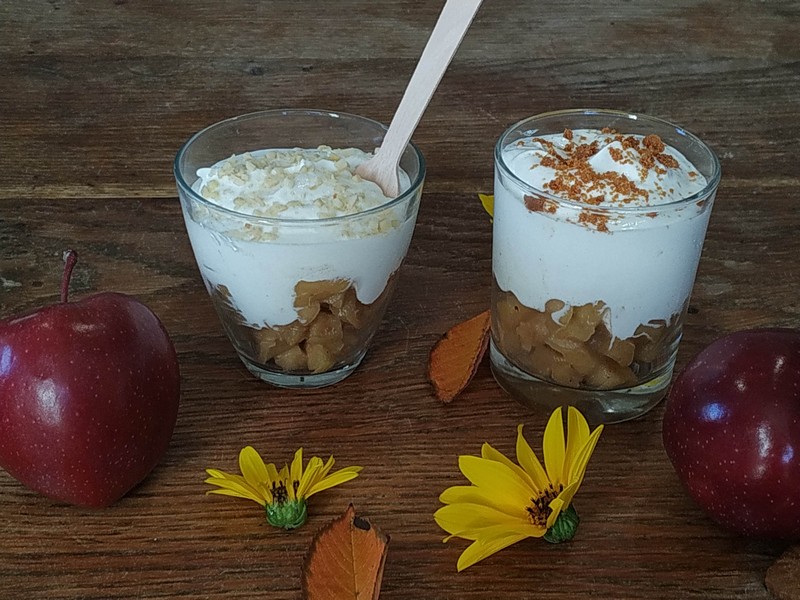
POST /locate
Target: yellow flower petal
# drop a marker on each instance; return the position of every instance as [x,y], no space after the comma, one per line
[497,531]
[327,468]
[214,474]
[578,468]
[336,478]
[488,203]
[219,474]
[252,467]
[479,549]
[470,494]
[577,426]
[310,477]
[566,496]
[495,476]
[556,506]
[528,461]
[553,448]
[272,473]
[220,478]
[490,453]
[465,519]
[296,471]
[235,488]
[236,494]
[577,435]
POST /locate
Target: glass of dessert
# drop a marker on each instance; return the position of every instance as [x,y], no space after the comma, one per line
[599,222]
[298,253]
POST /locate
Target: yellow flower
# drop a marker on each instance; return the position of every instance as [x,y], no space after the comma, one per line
[283,493]
[509,502]
[488,203]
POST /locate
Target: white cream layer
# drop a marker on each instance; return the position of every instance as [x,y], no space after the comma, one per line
[643,267]
[260,264]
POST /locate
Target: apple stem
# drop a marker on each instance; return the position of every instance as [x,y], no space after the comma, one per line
[70,258]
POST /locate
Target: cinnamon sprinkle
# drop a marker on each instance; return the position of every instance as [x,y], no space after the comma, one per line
[667,160]
[576,179]
[539,204]
[599,221]
[653,143]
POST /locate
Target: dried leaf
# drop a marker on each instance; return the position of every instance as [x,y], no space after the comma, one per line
[457,355]
[345,561]
[783,577]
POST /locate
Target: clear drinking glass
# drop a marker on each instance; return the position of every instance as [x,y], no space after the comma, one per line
[588,301]
[300,299]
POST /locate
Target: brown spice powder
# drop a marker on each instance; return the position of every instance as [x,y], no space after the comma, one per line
[549,162]
[575,179]
[623,190]
[599,221]
[667,160]
[539,204]
[653,143]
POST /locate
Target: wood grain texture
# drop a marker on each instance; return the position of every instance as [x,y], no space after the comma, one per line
[97,96]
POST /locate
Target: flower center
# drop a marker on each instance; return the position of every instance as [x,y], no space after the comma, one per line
[285,511]
[539,509]
[279,493]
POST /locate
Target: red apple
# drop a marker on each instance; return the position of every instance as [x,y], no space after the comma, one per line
[88,396]
[732,431]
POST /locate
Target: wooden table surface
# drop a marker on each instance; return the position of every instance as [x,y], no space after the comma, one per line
[96,96]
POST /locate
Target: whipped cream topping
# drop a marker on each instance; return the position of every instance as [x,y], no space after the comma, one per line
[604,168]
[293,183]
[641,264]
[259,263]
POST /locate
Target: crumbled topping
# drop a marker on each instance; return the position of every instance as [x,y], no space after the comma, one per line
[576,179]
[292,183]
[297,183]
[603,168]
[600,222]
[539,204]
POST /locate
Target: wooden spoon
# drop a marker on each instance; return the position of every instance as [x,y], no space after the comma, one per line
[453,23]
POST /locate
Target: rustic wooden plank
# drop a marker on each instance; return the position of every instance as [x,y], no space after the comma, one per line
[121,87]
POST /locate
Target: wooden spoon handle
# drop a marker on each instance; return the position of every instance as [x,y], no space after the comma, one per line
[445,38]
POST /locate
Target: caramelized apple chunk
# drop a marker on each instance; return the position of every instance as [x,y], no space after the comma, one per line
[572,345]
[332,327]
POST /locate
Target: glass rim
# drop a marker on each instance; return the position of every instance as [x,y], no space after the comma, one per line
[711,184]
[184,186]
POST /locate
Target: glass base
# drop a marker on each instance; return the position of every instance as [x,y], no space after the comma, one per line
[295,381]
[598,406]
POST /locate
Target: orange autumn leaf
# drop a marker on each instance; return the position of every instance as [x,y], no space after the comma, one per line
[456,356]
[345,561]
